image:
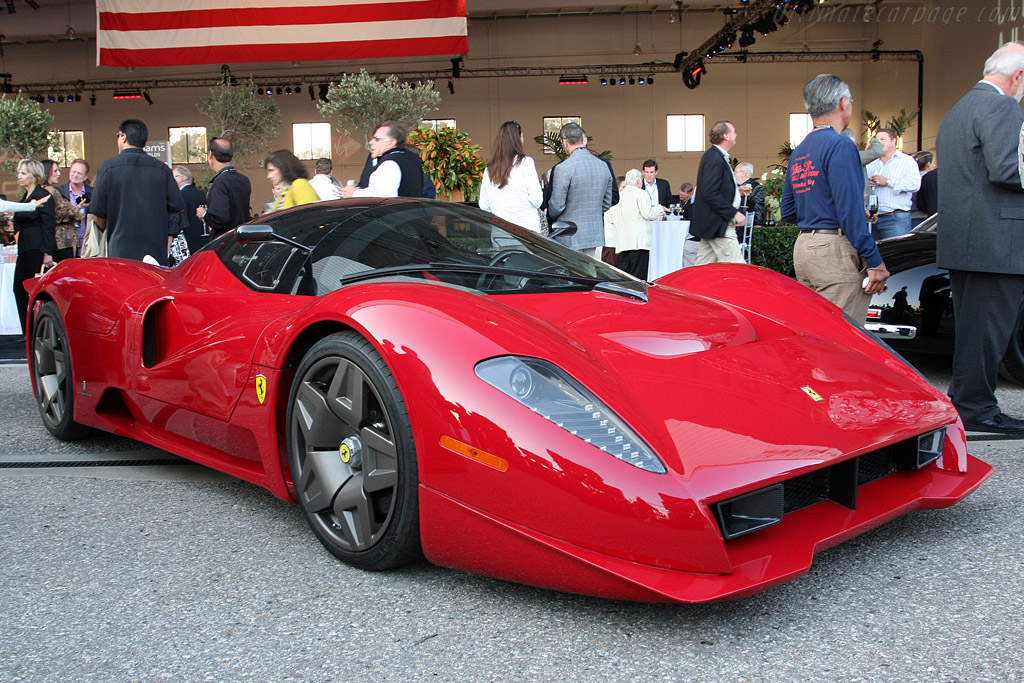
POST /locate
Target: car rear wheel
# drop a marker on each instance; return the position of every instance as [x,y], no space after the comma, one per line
[1012,367]
[351,453]
[51,374]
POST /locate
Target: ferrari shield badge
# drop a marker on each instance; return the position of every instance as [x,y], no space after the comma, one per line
[261,388]
[807,390]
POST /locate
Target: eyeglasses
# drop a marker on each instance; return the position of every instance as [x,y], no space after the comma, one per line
[377,138]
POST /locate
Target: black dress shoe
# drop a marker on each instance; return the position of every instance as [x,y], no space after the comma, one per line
[1000,423]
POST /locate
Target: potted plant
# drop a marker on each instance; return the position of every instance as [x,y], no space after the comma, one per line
[360,101]
[451,161]
[25,131]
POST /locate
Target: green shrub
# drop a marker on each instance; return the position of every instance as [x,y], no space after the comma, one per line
[772,247]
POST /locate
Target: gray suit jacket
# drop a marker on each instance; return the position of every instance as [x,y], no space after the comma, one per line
[581,191]
[981,202]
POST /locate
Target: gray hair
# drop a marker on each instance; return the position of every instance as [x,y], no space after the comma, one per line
[746,167]
[633,176]
[572,133]
[822,94]
[35,169]
[1007,59]
[848,132]
[184,173]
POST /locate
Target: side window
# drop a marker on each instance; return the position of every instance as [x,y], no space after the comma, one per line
[263,266]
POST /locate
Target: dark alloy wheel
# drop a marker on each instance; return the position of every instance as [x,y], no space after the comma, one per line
[51,374]
[351,453]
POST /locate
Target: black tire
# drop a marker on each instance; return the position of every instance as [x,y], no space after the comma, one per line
[52,375]
[364,509]
[1012,367]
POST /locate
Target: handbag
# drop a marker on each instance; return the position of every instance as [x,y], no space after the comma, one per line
[95,243]
[178,251]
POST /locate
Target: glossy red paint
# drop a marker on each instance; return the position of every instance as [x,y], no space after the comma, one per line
[710,372]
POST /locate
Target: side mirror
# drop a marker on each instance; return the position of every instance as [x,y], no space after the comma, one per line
[562,229]
[253,233]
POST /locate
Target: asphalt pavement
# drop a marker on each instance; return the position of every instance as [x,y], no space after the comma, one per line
[152,569]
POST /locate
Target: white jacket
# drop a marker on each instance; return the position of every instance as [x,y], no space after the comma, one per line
[519,200]
[626,225]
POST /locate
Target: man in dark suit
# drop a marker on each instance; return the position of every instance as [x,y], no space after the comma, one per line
[657,188]
[194,198]
[981,238]
[228,203]
[715,215]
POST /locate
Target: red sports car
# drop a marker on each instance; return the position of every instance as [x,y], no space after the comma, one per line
[427,380]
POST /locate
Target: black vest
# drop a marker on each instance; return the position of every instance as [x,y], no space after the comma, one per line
[408,162]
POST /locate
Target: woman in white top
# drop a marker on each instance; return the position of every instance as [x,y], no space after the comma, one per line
[510,188]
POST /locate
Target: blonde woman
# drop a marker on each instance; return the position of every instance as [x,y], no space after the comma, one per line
[35,230]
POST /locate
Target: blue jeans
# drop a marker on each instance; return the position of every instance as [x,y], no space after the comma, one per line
[893,225]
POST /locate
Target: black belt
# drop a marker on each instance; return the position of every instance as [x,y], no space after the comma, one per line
[691,238]
[833,231]
[889,213]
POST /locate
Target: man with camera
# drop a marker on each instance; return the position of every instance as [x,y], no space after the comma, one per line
[78,191]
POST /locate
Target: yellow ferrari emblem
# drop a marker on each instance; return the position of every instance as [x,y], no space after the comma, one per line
[345,452]
[261,388]
[812,393]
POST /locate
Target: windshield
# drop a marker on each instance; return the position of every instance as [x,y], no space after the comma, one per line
[452,244]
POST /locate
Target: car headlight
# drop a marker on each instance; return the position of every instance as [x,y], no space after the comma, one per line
[555,396]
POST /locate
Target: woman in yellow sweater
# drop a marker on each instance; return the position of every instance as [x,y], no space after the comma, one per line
[288,174]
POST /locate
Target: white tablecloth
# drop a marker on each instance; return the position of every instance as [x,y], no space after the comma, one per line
[8,308]
[667,239]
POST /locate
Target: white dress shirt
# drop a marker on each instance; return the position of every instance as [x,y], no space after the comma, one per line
[904,180]
[384,181]
[325,189]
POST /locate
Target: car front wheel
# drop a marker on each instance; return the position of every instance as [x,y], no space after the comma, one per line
[351,454]
[51,374]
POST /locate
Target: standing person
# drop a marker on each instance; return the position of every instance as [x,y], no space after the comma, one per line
[35,231]
[658,189]
[64,214]
[228,202]
[823,194]
[895,178]
[393,169]
[627,225]
[134,198]
[193,197]
[752,191]
[78,191]
[981,238]
[288,175]
[324,182]
[581,191]
[686,201]
[715,214]
[926,201]
[510,188]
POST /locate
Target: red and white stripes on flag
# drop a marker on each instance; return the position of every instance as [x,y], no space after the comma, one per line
[146,33]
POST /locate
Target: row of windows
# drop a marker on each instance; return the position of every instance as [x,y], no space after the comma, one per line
[313,140]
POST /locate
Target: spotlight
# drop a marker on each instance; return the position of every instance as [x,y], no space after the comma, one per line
[127,94]
[678,61]
[297,88]
[650,80]
[747,37]
[51,99]
[622,80]
[145,96]
[456,67]
[765,25]
[92,100]
[691,78]
[270,91]
[641,80]
[573,79]
[451,87]
[323,92]
[632,81]
[60,98]
[280,90]
[612,81]
[801,6]
[312,97]
[78,97]
[604,81]
[288,90]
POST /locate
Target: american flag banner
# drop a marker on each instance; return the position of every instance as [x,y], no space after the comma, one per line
[146,33]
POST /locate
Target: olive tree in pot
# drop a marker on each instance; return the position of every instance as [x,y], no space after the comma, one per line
[25,131]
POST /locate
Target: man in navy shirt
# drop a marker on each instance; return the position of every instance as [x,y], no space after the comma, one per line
[823,194]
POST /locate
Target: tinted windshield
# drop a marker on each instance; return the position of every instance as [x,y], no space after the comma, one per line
[451,244]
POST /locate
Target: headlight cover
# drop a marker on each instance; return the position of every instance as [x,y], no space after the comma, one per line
[555,396]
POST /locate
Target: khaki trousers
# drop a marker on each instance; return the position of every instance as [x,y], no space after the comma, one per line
[830,266]
[720,249]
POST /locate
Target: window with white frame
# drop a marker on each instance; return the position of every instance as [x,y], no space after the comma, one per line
[685,132]
[72,146]
[799,126]
[435,124]
[311,140]
[188,144]
[553,124]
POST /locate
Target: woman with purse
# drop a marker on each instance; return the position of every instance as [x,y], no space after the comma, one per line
[35,231]
[65,215]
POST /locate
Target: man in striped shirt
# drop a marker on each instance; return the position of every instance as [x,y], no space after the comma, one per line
[894,178]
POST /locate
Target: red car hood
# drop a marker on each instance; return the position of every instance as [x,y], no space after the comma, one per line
[714,387]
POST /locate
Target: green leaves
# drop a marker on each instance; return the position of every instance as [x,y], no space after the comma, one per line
[451,160]
[237,113]
[25,131]
[360,101]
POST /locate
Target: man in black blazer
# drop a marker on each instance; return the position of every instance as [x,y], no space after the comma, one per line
[715,215]
[981,238]
[194,198]
[228,203]
[657,188]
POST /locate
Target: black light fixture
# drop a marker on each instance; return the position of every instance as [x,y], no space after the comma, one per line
[641,80]
[60,98]
[573,79]
[650,80]
[622,80]
[52,98]
[604,81]
[765,25]
[456,67]
[92,100]
[312,97]
[451,87]
[145,95]
[280,90]
[691,77]
[612,80]
[747,37]
[632,81]
[323,92]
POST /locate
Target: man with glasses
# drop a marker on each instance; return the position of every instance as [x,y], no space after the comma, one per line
[393,170]
[135,197]
[227,206]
